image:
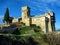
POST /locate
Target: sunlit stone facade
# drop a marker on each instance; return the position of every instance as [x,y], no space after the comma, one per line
[45,21]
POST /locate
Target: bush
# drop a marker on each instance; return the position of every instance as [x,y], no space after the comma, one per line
[23,23]
[53,38]
[16,31]
[36,30]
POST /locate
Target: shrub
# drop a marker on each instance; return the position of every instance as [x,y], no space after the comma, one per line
[16,31]
[23,23]
[53,38]
[36,30]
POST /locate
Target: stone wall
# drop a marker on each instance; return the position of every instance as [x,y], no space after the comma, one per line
[40,22]
[27,21]
[15,20]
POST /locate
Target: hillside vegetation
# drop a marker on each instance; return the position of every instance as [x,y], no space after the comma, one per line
[28,35]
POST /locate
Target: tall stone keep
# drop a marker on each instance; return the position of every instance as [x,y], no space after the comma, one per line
[25,13]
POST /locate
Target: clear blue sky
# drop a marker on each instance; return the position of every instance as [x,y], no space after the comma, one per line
[36,7]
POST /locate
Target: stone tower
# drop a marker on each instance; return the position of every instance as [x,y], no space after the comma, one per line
[25,13]
[51,21]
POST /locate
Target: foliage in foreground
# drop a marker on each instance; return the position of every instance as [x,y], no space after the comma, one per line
[20,41]
[53,38]
[37,38]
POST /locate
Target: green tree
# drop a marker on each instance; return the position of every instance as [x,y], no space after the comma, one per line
[6,16]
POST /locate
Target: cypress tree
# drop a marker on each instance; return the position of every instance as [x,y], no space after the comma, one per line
[6,16]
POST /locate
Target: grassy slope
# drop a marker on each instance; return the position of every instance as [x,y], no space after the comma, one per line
[36,36]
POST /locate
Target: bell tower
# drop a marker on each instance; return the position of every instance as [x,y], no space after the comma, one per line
[25,12]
